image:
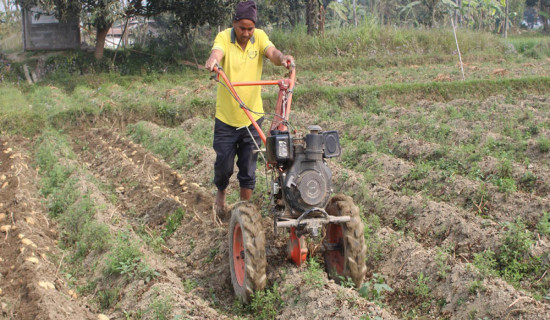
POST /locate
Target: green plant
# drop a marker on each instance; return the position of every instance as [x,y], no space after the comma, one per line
[504,168]
[266,303]
[441,260]
[399,223]
[190,284]
[528,181]
[375,288]
[506,185]
[481,200]
[107,297]
[514,259]
[314,275]
[543,144]
[472,314]
[476,286]
[543,226]
[212,254]
[160,308]
[374,244]
[485,262]
[421,287]
[124,257]
[173,222]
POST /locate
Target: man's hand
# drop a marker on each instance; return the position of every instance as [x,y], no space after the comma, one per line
[215,57]
[287,61]
[211,63]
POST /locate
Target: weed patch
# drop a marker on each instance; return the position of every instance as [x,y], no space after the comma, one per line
[267,303]
[375,289]
[314,274]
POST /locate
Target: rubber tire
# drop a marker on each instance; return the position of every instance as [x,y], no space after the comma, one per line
[353,253]
[246,216]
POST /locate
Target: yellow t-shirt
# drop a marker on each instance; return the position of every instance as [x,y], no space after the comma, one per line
[240,66]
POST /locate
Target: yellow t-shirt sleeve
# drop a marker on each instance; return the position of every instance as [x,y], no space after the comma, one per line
[263,40]
[220,43]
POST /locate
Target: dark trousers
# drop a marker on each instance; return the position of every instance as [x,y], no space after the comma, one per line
[230,142]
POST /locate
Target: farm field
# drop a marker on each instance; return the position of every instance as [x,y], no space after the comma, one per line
[106,194]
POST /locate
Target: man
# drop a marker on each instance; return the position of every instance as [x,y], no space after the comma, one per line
[240,51]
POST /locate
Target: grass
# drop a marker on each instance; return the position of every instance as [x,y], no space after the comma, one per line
[74,211]
[174,145]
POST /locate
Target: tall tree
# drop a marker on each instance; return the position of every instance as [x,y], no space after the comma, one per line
[312,16]
[8,11]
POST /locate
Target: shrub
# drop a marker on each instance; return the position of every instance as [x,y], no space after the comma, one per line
[543,227]
[543,144]
[266,303]
[314,275]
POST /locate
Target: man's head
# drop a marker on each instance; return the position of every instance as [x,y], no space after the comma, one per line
[245,21]
[246,10]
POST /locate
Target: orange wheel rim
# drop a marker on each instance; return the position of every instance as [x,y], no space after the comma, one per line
[336,258]
[238,254]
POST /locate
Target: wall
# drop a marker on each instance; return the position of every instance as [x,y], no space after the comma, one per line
[47,33]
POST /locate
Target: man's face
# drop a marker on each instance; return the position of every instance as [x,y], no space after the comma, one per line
[244,29]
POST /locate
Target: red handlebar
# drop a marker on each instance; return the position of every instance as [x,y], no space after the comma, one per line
[282,110]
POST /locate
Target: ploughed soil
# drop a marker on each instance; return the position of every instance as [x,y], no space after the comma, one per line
[423,248]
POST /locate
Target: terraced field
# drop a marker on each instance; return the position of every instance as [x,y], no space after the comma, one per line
[106,206]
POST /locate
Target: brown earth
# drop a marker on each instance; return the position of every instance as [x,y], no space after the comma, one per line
[31,286]
[442,228]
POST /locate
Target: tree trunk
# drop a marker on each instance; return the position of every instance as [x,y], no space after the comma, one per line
[7,8]
[355,12]
[322,20]
[100,41]
[546,9]
[506,20]
[312,17]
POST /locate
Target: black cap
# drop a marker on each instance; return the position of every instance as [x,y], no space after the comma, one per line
[246,10]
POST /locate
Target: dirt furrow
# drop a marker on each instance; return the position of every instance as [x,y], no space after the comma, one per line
[148,192]
[436,283]
[31,286]
[483,198]
[196,253]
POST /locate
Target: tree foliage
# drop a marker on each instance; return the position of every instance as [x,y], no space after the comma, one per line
[193,13]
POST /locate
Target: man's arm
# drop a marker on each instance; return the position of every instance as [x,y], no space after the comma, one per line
[215,57]
[278,58]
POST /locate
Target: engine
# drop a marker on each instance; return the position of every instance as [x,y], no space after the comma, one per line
[305,178]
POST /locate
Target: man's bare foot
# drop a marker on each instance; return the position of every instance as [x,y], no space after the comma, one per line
[220,205]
